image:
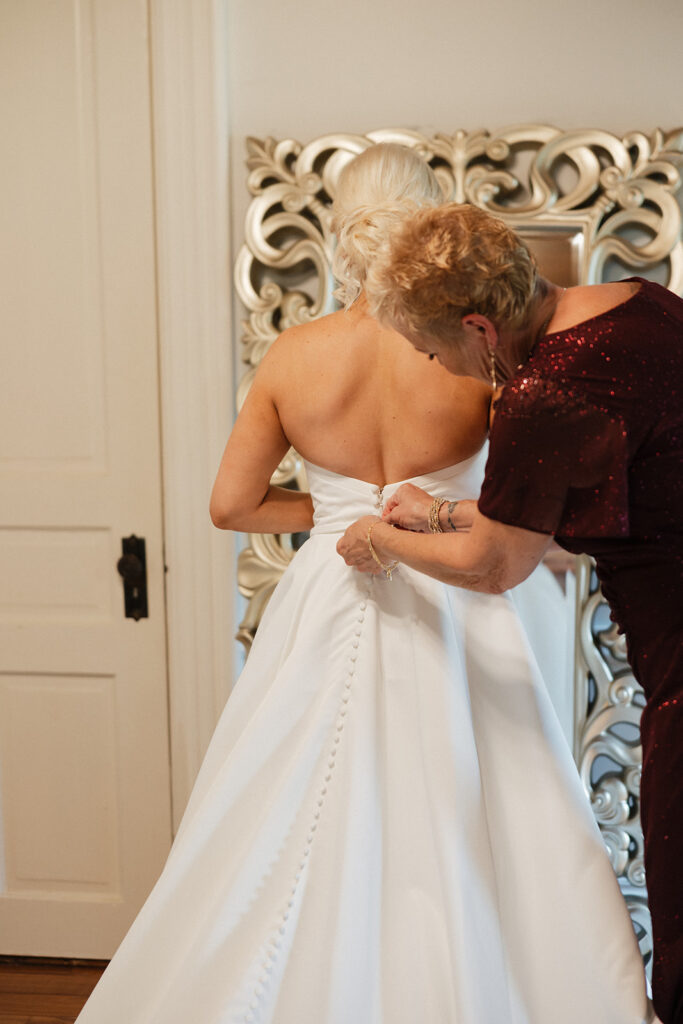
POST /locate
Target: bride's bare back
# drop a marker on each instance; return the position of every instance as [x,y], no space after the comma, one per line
[354,398]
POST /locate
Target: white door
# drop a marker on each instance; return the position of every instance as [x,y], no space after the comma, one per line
[84,772]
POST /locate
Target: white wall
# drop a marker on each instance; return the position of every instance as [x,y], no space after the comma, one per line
[302,69]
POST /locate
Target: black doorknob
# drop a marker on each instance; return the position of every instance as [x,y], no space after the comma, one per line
[130,568]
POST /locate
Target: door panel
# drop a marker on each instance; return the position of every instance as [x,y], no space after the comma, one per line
[84,773]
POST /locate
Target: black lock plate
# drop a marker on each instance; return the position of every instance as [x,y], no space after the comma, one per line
[132,568]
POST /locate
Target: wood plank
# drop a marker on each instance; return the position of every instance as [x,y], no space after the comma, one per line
[37,991]
[23,1019]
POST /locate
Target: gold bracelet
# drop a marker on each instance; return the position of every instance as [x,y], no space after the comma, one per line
[434,509]
[387,569]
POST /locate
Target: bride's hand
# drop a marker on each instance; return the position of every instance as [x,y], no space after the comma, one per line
[408,507]
[354,547]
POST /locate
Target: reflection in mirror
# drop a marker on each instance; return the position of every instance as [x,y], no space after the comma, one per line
[593,207]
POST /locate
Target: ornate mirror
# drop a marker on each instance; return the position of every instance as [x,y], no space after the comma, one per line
[593,207]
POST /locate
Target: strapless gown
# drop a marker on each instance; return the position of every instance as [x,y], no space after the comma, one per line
[388,827]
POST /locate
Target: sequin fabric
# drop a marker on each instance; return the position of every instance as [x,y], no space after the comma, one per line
[587,444]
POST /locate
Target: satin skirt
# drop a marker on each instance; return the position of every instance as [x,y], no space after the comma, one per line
[388,828]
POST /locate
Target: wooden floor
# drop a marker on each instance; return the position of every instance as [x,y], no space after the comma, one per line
[37,991]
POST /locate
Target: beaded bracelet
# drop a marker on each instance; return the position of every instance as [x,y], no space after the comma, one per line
[434,509]
[387,569]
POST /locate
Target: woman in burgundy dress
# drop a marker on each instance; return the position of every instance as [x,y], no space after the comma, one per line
[586,447]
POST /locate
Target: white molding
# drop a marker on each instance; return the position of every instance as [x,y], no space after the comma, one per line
[190,93]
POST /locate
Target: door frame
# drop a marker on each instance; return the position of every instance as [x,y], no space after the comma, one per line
[189,65]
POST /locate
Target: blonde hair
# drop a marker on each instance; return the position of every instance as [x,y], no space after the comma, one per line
[442,264]
[375,191]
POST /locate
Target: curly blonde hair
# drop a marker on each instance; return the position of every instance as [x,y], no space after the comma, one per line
[375,192]
[441,264]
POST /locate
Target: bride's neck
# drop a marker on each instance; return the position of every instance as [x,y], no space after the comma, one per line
[360,306]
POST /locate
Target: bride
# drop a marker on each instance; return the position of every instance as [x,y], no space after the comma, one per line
[388,827]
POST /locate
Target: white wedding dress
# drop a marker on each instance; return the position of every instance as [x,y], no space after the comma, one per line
[388,827]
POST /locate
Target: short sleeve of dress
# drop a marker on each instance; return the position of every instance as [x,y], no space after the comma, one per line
[556,463]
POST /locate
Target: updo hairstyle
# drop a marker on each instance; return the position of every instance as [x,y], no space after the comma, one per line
[375,191]
[441,264]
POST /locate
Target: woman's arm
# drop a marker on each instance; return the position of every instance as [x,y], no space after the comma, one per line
[409,508]
[491,557]
[243,497]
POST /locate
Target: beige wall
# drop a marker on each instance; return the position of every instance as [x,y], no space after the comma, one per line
[301,69]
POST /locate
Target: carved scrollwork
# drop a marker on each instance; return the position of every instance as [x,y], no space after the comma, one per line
[608,706]
[617,197]
[618,193]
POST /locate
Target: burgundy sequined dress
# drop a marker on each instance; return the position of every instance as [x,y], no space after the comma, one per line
[587,444]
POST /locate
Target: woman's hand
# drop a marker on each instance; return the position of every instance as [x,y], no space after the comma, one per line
[408,507]
[354,547]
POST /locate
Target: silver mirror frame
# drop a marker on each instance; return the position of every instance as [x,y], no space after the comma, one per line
[614,199]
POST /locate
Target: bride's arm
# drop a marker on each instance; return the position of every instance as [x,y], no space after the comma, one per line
[491,557]
[243,498]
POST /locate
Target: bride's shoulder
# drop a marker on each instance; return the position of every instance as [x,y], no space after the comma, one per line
[299,354]
[307,334]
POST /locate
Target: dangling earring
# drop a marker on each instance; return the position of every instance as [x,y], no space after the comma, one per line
[494,382]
